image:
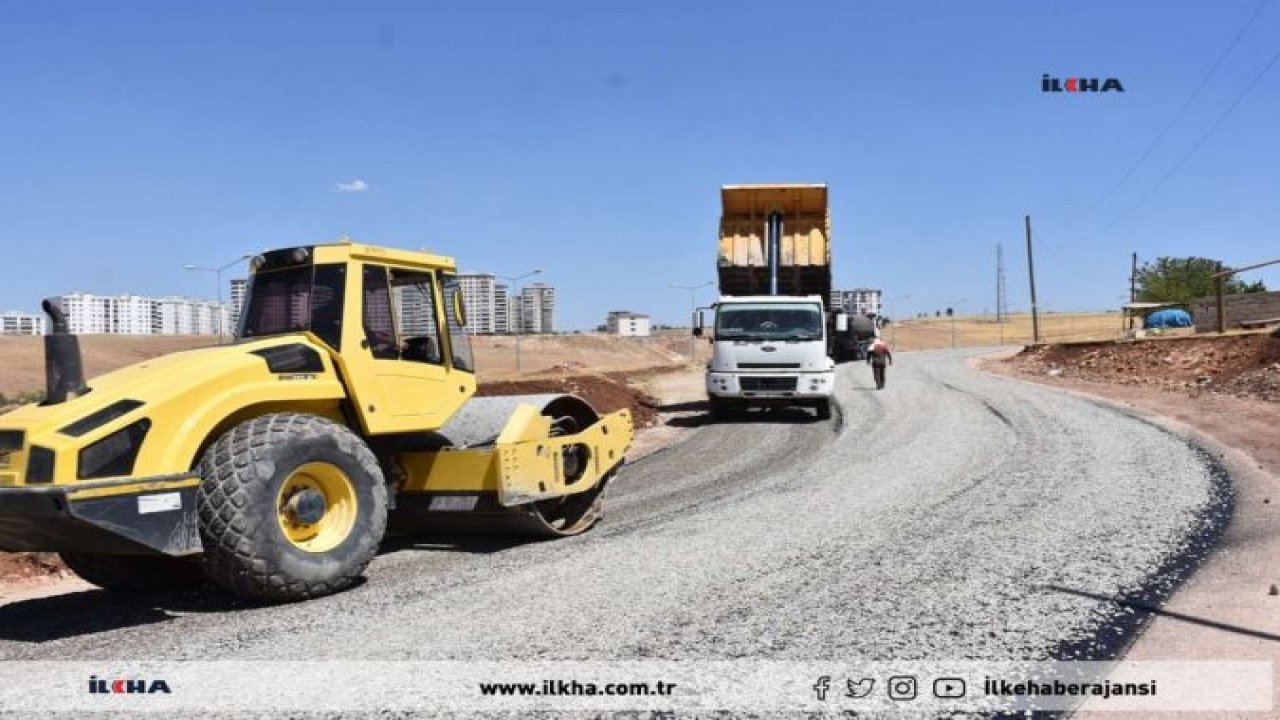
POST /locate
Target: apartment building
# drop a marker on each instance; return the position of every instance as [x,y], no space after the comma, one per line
[538,308]
[858,301]
[504,305]
[89,314]
[183,316]
[624,323]
[492,308]
[238,288]
[480,299]
[13,322]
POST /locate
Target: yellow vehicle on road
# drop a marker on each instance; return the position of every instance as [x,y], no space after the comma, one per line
[274,465]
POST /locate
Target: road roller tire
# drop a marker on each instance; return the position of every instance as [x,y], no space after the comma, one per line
[291,507]
[128,574]
[569,515]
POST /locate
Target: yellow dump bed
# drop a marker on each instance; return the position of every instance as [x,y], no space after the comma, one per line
[804,258]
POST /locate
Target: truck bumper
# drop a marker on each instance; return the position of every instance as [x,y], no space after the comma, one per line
[132,516]
[774,388]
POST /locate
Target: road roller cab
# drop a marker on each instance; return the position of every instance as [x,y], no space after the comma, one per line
[273,465]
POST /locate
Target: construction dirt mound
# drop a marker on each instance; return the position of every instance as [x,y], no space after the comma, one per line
[22,566]
[1245,366]
[606,393]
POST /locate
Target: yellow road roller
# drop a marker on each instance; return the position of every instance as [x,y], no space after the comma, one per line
[274,465]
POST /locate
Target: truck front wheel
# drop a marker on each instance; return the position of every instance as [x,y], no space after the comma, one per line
[720,408]
[823,409]
[291,506]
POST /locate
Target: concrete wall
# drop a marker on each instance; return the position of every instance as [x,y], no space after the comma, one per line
[1239,308]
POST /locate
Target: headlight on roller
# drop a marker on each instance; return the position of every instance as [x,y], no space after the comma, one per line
[39,465]
[113,455]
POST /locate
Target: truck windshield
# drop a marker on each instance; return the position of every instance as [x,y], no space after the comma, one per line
[769,321]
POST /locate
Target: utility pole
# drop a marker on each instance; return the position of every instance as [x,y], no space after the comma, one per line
[1031,272]
[1002,299]
[1133,286]
[1219,280]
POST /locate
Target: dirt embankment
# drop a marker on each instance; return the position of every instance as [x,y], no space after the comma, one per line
[1245,366]
[17,567]
[22,356]
[606,393]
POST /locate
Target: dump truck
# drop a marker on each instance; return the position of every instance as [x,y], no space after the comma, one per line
[774,334]
[273,466]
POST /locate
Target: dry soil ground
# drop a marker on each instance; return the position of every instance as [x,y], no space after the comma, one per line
[22,364]
[22,357]
[982,331]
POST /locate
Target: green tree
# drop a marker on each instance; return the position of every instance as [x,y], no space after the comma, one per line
[1181,280]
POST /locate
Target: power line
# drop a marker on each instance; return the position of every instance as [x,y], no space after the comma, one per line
[1195,147]
[1204,81]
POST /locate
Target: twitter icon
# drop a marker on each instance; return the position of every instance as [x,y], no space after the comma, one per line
[859,689]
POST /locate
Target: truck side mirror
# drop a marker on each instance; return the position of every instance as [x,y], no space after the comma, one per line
[696,323]
[842,322]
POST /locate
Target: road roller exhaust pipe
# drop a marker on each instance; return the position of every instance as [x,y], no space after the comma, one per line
[63,368]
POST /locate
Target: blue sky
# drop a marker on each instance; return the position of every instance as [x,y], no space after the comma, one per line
[589,139]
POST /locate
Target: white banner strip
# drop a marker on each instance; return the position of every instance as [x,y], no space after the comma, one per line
[684,687]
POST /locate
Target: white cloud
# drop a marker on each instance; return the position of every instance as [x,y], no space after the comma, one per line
[353,186]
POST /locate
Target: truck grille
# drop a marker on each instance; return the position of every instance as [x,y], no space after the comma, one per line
[768,384]
[768,366]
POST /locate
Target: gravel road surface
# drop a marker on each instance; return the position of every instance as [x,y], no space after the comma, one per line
[952,516]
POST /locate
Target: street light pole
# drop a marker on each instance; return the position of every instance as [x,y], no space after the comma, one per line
[693,307]
[519,309]
[217,272]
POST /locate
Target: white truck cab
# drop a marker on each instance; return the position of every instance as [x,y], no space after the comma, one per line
[768,350]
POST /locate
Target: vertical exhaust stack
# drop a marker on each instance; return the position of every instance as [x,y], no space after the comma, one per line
[63,370]
[775,249]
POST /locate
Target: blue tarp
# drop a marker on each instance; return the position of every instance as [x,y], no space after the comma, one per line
[1167,319]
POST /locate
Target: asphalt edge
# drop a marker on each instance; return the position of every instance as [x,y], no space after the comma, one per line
[1208,528]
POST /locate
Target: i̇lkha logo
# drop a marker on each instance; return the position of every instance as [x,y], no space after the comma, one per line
[126,686]
[1048,83]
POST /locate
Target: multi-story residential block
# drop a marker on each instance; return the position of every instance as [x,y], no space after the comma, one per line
[479,298]
[238,287]
[492,308]
[858,301]
[624,323]
[18,323]
[538,308]
[503,305]
[89,314]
